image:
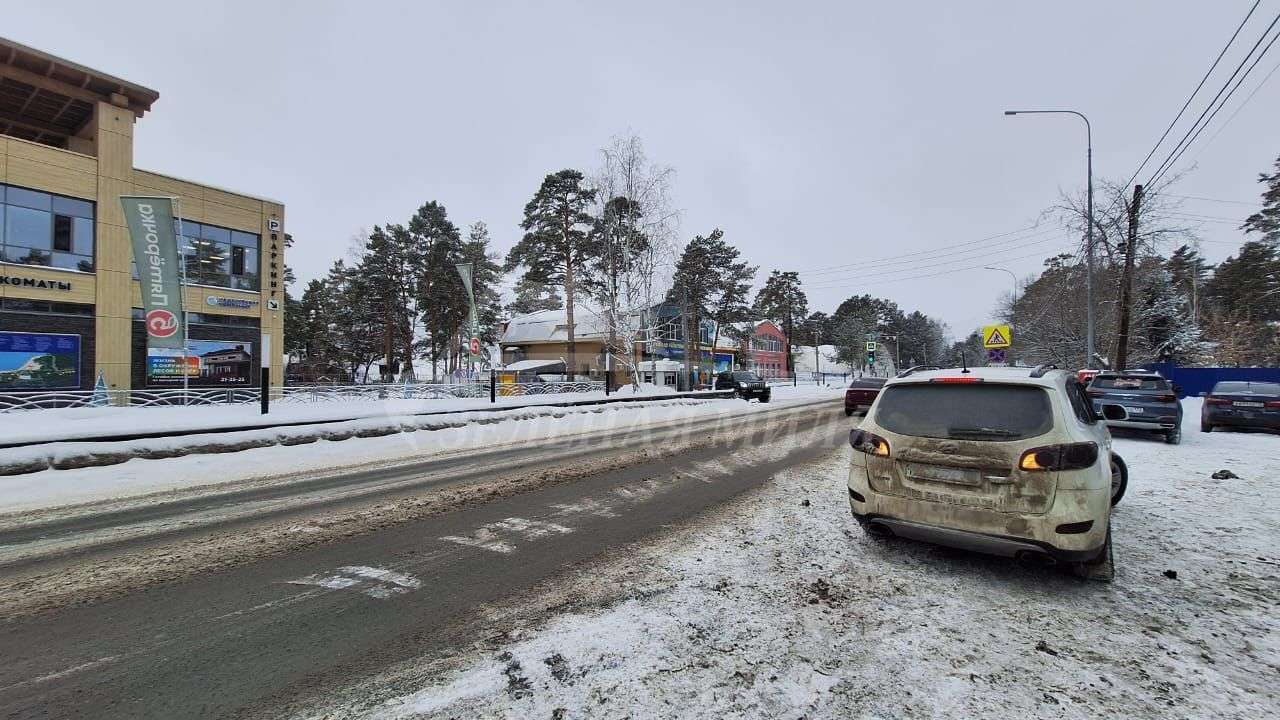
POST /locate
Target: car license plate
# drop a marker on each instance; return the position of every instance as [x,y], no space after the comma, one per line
[1133,410]
[934,473]
[1246,403]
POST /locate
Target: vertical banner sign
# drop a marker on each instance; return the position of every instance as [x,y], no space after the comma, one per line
[155,250]
[473,319]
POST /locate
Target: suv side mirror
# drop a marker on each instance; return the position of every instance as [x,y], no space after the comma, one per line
[1115,412]
[1177,389]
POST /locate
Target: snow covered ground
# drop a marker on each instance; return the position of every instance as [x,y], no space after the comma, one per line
[781,607]
[82,423]
[451,433]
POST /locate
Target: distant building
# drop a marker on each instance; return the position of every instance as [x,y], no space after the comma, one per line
[766,352]
[67,138]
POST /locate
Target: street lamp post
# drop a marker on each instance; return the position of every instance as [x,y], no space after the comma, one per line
[1013,301]
[897,354]
[1088,280]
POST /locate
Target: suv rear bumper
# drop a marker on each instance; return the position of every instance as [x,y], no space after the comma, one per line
[1153,424]
[1000,545]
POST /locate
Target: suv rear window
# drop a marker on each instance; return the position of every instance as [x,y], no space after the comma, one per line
[1113,382]
[1237,386]
[981,411]
[745,377]
[867,383]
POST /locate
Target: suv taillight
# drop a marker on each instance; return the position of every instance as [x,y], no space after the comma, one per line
[1094,393]
[869,443]
[1273,403]
[1166,398]
[1216,401]
[1073,456]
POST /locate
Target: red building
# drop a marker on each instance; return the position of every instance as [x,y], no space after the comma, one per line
[767,351]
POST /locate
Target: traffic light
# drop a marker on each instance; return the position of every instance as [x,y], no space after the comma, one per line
[871,352]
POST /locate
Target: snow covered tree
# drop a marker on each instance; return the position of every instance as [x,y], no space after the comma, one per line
[1266,222]
[558,244]
[1162,320]
[636,227]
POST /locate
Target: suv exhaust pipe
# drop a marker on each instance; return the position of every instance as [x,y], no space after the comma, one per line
[879,529]
[1032,558]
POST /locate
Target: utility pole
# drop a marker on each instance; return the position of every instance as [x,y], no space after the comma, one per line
[790,336]
[1126,281]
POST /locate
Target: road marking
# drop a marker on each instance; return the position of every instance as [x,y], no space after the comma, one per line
[372,581]
[586,506]
[498,536]
[64,673]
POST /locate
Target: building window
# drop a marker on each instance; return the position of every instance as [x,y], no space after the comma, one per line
[196,318]
[39,228]
[45,307]
[217,256]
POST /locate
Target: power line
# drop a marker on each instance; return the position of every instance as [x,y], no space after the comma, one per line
[985,257]
[1196,127]
[1193,94]
[1240,107]
[880,281]
[915,257]
[827,268]
[1208,199]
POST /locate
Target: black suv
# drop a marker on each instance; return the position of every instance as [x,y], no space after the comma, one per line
[745,383]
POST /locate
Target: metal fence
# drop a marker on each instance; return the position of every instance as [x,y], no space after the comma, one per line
[44,400]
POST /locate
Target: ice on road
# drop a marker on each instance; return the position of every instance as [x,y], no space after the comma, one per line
[780,606]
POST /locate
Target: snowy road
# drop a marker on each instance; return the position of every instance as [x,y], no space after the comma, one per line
[780,606]
[350,589]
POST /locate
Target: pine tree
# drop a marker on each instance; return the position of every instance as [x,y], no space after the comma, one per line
[1188,272]
[386,258]
[558,245]
[531,297]
[1266,222]
[1163,321]
[486,276]
[782,298]
[711,283]
[439,292]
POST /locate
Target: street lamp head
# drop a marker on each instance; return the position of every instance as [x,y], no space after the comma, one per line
[1010,112]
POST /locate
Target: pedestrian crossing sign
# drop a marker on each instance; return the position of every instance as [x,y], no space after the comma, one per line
[996,336]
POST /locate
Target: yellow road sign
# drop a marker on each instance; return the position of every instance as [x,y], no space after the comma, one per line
[996,336]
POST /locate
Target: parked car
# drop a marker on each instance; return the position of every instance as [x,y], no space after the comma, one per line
[1150,401]
[1242,404]
[745,383]
[861,393]
[1006,461]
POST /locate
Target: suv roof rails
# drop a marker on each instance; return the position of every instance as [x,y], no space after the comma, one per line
[1040,370]
[917,368]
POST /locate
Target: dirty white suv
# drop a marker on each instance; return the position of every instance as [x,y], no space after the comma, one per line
[1005,461]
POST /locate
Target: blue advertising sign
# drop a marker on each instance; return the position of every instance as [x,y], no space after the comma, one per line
[39,361]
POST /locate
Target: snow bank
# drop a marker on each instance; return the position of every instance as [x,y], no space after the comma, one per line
[785,608]
[384,439]
[84,423]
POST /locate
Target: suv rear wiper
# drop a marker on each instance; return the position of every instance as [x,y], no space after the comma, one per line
[989,432]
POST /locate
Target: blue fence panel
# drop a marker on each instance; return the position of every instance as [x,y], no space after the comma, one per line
[1196,380]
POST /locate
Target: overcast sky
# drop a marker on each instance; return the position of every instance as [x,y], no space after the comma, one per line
[813,134]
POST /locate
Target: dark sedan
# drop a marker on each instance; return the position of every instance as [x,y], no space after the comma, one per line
[861,393]
[746,384]
[1242,404]
[1150,400]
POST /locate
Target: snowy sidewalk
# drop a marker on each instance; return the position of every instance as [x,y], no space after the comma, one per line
[783,607]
